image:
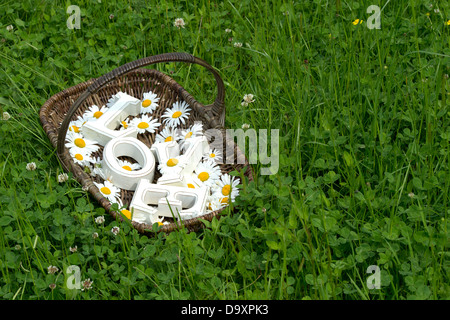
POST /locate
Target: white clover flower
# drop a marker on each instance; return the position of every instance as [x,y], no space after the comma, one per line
[249,98]
[245,126]
[6,116]
[100,220]
[10,27]
[73,249]
[227,30]
[52,269]
[237,44]
[179,23]
[87,284]
[63,177]
[115,230]
[31,166]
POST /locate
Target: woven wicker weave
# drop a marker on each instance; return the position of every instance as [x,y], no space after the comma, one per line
[131,78]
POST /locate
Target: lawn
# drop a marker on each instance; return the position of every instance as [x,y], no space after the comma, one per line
[362,189]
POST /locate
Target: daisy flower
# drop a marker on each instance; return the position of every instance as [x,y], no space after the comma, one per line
[80,144]
[177,114]
[149,102]
[166,135]
[76,125]
[213,155]
[190,181]
[172,164]
[96,169]
[95,112]
[226,188]
[126,213]
[124,124]
[193,131]
[128,165]
[207,173]
[145,124]
[214,203]
[108,190]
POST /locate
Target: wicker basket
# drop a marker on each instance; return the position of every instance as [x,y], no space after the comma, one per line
[131,78]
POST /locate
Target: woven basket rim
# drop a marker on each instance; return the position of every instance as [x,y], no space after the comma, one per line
[87,182]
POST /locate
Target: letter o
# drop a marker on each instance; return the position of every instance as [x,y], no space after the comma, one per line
[131,147]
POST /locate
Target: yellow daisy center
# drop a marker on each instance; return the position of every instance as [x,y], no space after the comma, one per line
[226,190]
[75,129]
[80,143]
[212,155]
[176,114]
[160,223]
[224,200]
[143,125]
[203,176]
[172,162]
[146,103]
[124,124]
[126,213]
[168,139]
[188,135]
[128,168]
[105,190]
[98,114]
[190,185]
[79,156]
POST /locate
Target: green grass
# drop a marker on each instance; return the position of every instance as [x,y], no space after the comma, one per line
[364,151]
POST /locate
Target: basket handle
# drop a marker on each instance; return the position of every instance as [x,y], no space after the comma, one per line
[207,111]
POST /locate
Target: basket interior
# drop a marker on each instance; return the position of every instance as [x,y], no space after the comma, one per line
[136,83]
